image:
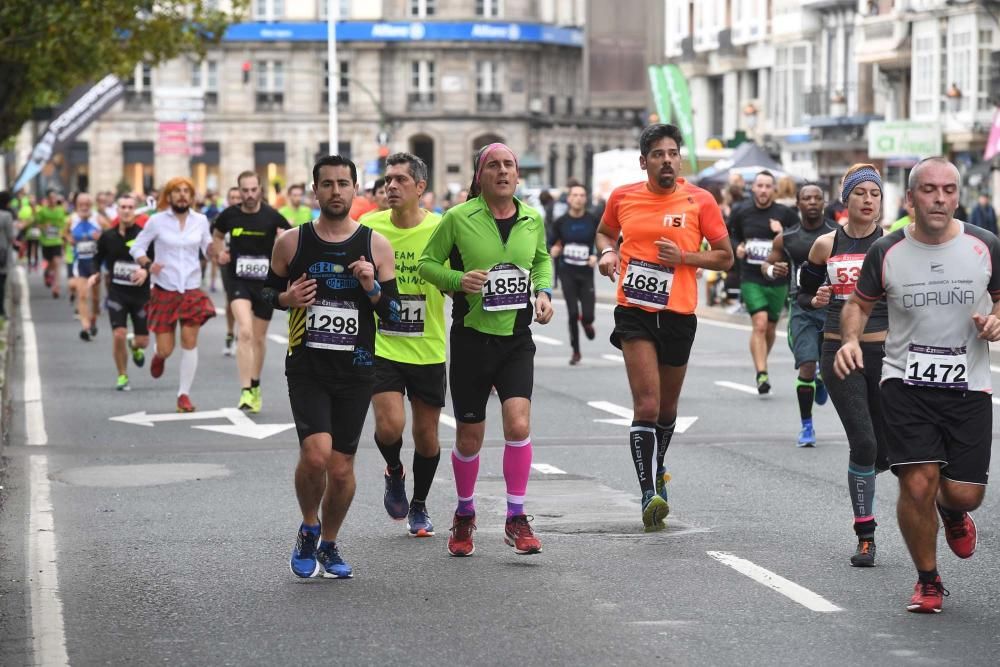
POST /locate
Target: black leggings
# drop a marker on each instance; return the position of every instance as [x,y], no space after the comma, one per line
[858,404]
[578,286]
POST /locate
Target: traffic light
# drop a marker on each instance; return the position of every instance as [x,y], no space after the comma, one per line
[246,71]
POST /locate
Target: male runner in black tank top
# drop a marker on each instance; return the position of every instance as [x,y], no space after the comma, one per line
[333,275]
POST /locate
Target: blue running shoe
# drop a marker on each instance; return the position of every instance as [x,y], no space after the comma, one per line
[395,500]
[807,436]
[418,522]
[303,562]
[821,393]
[332,564]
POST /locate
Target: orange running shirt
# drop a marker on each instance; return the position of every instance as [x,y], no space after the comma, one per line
[643,217]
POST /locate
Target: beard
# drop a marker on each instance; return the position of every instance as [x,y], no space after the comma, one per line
[180,208]
[666,181]
[335,211]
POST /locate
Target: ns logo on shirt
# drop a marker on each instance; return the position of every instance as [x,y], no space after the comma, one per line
[674,219]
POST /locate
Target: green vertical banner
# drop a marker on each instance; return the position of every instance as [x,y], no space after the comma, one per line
[680,100]
[658,84]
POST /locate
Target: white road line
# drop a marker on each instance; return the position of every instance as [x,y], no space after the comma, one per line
[995,369]
[614,357]
[220,311]
[996,401]
[280,340]
[34,414]
[545,339]
[733,325]
[546,469]
[448,420]
[745,388]
[789,589]
[626,415]
[49,643]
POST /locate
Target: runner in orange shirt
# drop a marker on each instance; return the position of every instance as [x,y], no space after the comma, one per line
[661,223]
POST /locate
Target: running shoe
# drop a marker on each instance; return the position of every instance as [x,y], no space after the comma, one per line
[257,402]
[156,368]
[138,357]
[864,555]
[763,384]
[84,335]
[332,563]
[227,350]
[961,535]
[460,540]
[246,400]
[303,562]
[575,359]
[927,598]
[807,436]
[518,534]
[418,522]
[662,477]
[654,511]
[184,404]
[93,329]
[821,393]
[394,499]
[122,384]
[588,330]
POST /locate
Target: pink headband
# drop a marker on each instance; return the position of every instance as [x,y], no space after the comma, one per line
[485,154]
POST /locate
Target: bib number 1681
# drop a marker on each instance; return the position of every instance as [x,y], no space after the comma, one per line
[646,283]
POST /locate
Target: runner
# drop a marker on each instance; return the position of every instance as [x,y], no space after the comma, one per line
[127,298]
[233,198]
[252,228]
[662,222]
[409,354]
[942,281]
[51,218]
[573,244]
[805,327]
[180,234]
[322,272]
[295,212]
[32,232]
[754,227]
[836,258]
[496,245]
[83,233]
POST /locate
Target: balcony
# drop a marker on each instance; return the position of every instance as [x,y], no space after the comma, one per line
[489,102]
[211,100]
[883,40]
[138,100]
[270,101]
[420,101]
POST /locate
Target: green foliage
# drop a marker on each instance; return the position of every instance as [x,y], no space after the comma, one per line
[47,47]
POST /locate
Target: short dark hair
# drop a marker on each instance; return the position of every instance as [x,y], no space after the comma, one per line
[765,172]
[379,183]
[296,186]
[577,184]
[654,133]
[809,184]
[231,189]
[418,168]
[247,174]
[335,161]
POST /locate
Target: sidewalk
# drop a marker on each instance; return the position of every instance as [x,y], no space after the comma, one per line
[11,300]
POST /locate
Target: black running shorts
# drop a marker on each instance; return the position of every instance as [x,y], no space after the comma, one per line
[671,333]
[121,307]
[945,426]
[50,252]
[480,362]
[322,406]
[251,290]
[426,382]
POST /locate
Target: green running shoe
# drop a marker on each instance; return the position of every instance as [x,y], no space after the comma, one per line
[122,384]
[246,400]
[662,477]
[138,356]
[654,511]
[256,401]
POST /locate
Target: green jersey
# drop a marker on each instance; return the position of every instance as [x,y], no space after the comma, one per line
[296,216]
[418,338]
[52,221]
[472,239]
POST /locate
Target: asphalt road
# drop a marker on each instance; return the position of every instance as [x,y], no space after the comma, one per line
[126,543]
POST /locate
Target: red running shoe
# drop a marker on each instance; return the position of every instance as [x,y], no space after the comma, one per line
[184,404]
[927,598]
[460,540]
[156,368]
[961,535]
[517,533]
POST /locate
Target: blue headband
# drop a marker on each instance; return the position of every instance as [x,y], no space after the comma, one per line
[860,176]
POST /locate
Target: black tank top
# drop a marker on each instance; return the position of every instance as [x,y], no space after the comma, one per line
[842,269]
[798,241]
[335,337]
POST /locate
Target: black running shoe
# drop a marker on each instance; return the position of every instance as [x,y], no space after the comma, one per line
[763,384]
[864,556]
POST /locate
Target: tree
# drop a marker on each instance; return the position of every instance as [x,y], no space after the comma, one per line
[48,47]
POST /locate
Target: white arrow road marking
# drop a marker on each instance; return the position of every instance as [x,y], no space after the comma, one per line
[280,340]
[538,338]
[614,357]
[145,419]
[448,420]
[546,469]
[745,388]
[244,426]
[789,589]
[626,414]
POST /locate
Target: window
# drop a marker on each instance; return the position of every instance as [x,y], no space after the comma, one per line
[923,98]
[709,19]
[205,75]
[423,8]
[343,7]
[488,8]
[137,165]
[749,20]
[343,85]
[268,10]
[421,96]
[961,51]
[488,97]
[678,18]
[270,85]
[139,88]
[792,77]
[985,53]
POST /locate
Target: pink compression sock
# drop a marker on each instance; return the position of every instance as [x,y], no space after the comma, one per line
[516,469]
[466,470]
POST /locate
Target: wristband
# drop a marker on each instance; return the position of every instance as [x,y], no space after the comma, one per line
[375,291]
[770,271]
[607,250]
[547,291]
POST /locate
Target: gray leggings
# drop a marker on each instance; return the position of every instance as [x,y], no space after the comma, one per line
[858,405]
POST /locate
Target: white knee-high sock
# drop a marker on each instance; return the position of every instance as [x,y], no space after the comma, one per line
[189,364]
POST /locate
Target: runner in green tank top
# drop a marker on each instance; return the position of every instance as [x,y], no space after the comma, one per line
[410,353]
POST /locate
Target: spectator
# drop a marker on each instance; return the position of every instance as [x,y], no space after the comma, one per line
[983,214]
[785,194]
[961,213]
[8,237]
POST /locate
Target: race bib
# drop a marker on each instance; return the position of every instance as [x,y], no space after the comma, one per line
[252,268]
[51,231]
[411,317]
[576,254]
[34,233]
[506,288]
[843,271]
[758,250]
[939,367]
[647,284]
[121,273]
[86,249]
[332,325]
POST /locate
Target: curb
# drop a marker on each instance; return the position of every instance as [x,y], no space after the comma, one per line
[11,302]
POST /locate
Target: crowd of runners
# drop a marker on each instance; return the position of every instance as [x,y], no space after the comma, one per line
[892,325]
